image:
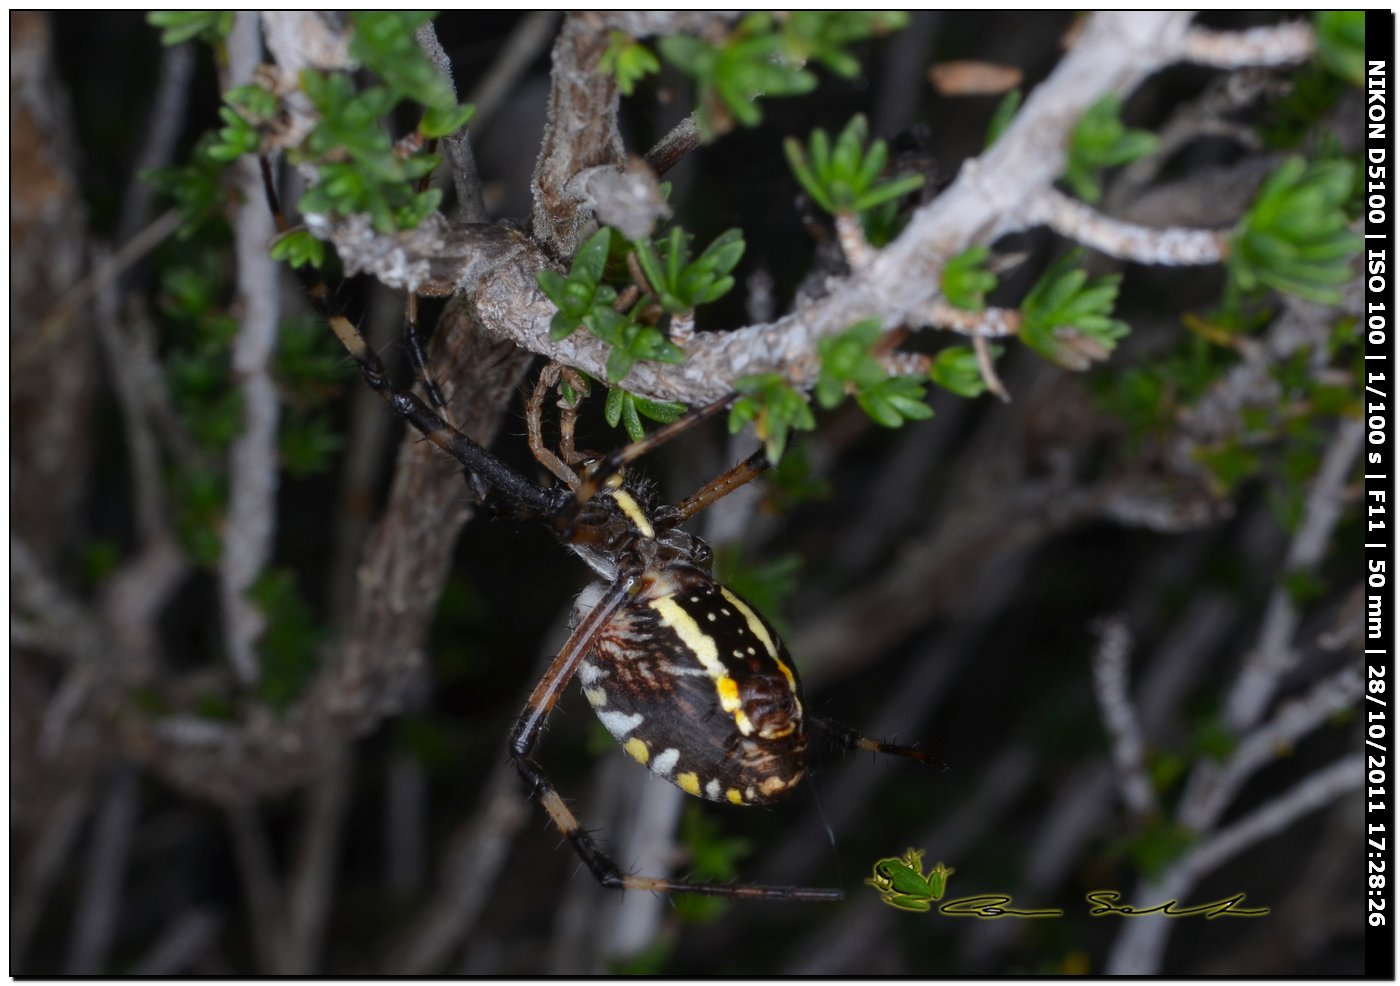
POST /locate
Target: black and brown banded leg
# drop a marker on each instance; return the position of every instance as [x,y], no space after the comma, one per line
[527,730]
[847,738]
[724,484]
[482,469]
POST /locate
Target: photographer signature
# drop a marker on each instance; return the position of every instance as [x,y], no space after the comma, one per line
[903,884]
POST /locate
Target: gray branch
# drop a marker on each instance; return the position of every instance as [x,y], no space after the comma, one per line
[1120,718]
[253,465]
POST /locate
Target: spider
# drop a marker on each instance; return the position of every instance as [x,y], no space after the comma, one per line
[691,680]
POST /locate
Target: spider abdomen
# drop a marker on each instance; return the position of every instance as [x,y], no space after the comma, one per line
[698,687]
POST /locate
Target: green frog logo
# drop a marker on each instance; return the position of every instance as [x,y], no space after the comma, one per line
[902,882]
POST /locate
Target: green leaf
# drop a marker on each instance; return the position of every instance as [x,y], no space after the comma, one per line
[255,101]
[384,42]
[591,258]
[1295,237]
[1341,43]
[729,76]
[848,366]
[1002,116]
[627,61]
[680,284]
[824,35]
[1066,316]
[966,280]
[955,369]
[620,363]
[775,409]
[197,189]
[236,138]
[846,178]
[358,167]
[299,247]
[1099,140]
[308,444]
[178,26]
[662,412]
[582,295]
[444,122]
[1158,845]
[290,642]
[893,401]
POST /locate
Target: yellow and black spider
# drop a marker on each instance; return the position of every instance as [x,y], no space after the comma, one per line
[686,676]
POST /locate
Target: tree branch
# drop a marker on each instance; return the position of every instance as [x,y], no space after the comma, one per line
[1272,655]
[993,194]
[1170,247]
[1120,718]
[253,466]
[1281,44]
[1139,947]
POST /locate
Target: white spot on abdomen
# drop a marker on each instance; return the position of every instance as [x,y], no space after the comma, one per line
[618,724]
[665,761]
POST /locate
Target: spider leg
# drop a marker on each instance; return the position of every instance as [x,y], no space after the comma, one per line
[597,475]
[722,485]
[534,415]
[527,730]
[418,358]
[568,414]
[413,336]
[851,739]
[479,465]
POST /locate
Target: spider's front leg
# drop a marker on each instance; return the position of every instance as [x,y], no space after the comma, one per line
[527,731]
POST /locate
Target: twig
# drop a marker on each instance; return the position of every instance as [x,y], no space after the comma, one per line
[982,349]
[1312,792]
[1081,811]
[311,884]
[1120,718]
[264,900]
[62,709]
[1210,788]
[1272,655]
[1171,247]
[580,133]
[1267,742]
[252,499]
[406,821]
[1282,44]
[151,511]
[465,179]
[181,944]
[667,152]
[163,125]
[99,904]
[1139,948]
[37,871]
[473,864]
[67,620]
[59,320]
[854,246]
[518,53]
[989,323]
